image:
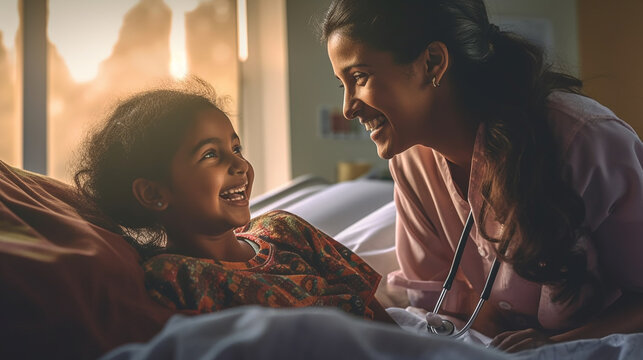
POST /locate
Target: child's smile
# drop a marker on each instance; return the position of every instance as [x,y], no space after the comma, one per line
[236,195]
[210,180]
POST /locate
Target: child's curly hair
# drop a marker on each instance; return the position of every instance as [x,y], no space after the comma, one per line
[138,140]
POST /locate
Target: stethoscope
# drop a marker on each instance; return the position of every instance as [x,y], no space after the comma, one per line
[447,328]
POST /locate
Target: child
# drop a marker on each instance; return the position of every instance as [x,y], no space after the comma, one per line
[167,166]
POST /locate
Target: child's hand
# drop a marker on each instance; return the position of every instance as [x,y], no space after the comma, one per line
[514,341]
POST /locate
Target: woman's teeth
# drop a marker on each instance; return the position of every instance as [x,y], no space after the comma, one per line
[375,123]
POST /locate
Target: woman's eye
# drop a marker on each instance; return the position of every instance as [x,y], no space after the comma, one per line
[360,78]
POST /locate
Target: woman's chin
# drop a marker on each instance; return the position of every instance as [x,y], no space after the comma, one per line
[385,152]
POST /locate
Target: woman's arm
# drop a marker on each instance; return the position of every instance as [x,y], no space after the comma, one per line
[624,316]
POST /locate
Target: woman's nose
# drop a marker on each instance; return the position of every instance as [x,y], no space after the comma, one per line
[350,105]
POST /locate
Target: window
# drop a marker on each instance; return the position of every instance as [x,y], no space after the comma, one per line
[99,51]
[10,88]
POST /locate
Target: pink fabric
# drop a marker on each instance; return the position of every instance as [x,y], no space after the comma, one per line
[604,163]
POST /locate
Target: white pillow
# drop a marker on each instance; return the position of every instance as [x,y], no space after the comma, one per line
[339,206]
[373,239]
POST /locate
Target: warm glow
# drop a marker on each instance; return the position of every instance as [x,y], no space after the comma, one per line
[178,57]
[8,22]
[242,23]
[102,20]
[84,32]
[10,89]
[104,50]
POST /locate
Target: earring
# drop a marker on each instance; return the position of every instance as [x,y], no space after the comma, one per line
[159,204]
[435,82]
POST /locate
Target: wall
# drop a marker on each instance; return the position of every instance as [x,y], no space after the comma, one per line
[561,14]
[265,128]
[611,38]
[312,83]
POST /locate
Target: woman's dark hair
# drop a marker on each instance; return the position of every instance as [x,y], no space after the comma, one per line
[505,79]
[138,140]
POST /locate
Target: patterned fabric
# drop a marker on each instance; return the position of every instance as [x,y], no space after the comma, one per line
[297,265]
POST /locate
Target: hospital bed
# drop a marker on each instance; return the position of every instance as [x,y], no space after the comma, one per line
[72,289]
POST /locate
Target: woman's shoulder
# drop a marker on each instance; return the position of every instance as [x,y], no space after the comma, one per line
[414,163]
[577,106]
[574,117]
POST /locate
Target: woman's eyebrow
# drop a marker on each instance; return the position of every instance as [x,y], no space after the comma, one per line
[348,67]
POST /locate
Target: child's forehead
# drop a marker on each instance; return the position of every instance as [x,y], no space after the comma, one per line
[212,117]
[210,123]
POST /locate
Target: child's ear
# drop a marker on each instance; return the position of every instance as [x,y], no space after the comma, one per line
[150,194]
[437,60]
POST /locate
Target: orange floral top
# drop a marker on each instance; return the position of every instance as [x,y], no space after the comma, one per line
[296,265]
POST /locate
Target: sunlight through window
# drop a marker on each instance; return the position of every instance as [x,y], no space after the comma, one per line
[102,50]
[10,85]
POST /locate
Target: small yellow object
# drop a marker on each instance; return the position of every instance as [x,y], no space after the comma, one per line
[350,170]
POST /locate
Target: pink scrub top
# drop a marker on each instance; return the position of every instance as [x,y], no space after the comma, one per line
[603,159]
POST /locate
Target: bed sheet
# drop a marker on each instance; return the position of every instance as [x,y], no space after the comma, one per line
[252,332]
[257,333]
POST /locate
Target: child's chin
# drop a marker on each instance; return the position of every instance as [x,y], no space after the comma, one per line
[243,220]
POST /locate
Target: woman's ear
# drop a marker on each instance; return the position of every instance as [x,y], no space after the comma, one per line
[437,62]
[150,194]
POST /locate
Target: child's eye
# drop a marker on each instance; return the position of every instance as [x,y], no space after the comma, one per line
[237,149]
[209,154]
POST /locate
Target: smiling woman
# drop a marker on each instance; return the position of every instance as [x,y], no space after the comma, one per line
[478,125]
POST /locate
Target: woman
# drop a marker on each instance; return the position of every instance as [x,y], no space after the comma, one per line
[473,120]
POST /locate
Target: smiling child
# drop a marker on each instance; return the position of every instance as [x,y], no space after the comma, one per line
[167,167]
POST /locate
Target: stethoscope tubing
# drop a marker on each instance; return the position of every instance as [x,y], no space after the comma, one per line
[448,328]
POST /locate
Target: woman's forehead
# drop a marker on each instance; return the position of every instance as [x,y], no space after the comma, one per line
[345,53]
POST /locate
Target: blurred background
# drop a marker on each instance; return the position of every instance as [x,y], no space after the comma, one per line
[64,63]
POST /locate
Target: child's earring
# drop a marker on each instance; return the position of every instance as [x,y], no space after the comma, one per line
[435,82]
[159,204]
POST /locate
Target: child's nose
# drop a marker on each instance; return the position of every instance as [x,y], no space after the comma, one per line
[238,166]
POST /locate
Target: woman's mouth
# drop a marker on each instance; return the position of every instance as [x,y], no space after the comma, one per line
[374,124]
[235,194]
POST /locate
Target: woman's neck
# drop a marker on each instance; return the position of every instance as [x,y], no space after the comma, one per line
[458,130]
[223,247]
[452,132]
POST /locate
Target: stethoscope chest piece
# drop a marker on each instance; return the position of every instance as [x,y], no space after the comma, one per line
[446,329]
